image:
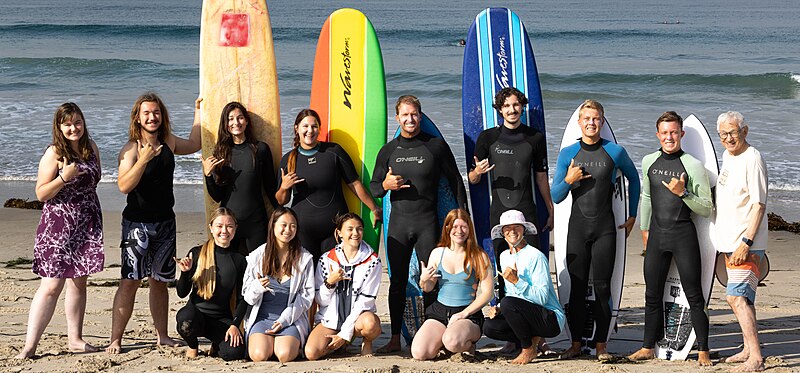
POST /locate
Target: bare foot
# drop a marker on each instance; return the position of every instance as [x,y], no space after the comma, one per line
[167,341]
[81,346]
[751,365]
[114,347]
[741,357]
[525,356]
[601,351]
[642,354]
[192,353]
[704,359]
[392,346]
[366,348]
[25,355]
[571,352]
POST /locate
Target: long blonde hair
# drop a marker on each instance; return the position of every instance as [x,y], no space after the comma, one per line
[475,257]
[205,276]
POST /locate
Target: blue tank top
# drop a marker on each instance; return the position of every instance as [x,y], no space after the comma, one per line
[455,290]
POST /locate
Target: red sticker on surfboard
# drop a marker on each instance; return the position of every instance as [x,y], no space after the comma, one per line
[234,30]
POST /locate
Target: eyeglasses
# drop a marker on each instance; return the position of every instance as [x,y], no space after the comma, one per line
[732,134]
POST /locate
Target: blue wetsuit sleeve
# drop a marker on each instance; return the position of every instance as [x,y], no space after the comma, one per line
[646,210]
[624,162]
[699,198]
[561,188]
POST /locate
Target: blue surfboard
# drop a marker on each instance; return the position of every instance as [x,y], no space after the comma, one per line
[413,317]
[498,54]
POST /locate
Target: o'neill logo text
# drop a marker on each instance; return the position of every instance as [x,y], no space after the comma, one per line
[346,78]
[417,159]
[502,59]
[498,150]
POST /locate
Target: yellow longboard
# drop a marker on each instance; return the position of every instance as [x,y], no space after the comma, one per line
[237,63]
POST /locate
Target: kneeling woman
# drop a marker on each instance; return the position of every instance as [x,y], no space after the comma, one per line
[348,278]
[530,310]
[213,274]
[279,287]
[463,270]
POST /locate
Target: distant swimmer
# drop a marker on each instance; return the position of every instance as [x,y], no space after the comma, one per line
[462,42]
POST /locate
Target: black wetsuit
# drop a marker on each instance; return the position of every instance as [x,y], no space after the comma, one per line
[319,198]
[239,187]
[592,238]
[514,153]
[413,223]
[211,318]
[672,236]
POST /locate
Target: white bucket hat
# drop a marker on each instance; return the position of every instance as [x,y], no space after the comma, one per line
[512,217]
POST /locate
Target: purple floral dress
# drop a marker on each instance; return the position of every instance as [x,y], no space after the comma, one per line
[69,240]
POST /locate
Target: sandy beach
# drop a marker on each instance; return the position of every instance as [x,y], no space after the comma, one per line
[778,307]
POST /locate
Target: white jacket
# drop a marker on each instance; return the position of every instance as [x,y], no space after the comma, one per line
[366,281]
[301,292]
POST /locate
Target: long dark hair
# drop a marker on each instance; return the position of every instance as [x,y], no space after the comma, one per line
[291,163]
[222,150]
[270,263]
[66,111]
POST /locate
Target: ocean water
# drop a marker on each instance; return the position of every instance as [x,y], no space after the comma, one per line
[639,58]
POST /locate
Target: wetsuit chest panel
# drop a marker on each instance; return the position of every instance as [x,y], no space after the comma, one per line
[322,185]
[246,182]
[592,196]
[668,209]
[511,177]
[417,165]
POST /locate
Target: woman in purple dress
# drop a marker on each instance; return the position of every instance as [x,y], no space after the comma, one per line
[69,240]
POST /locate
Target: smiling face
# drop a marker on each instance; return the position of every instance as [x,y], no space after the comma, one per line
[732,137]
[669,135]
[150,116]
[591,121]
[72,128]
[408,116]
[237,123]
[459,233]
[285,228]
[513,233]
[308,132]
[511,111]
[223,228]
[351,233]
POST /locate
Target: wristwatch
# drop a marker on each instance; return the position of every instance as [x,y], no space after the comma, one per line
[747,241]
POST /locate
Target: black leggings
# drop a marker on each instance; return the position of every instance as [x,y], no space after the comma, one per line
[520,321]
[250,235]
[406,233]
[678,243]
[193,323]
[591,243]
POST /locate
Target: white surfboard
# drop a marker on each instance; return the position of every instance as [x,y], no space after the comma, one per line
[562,211]
[679,336]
